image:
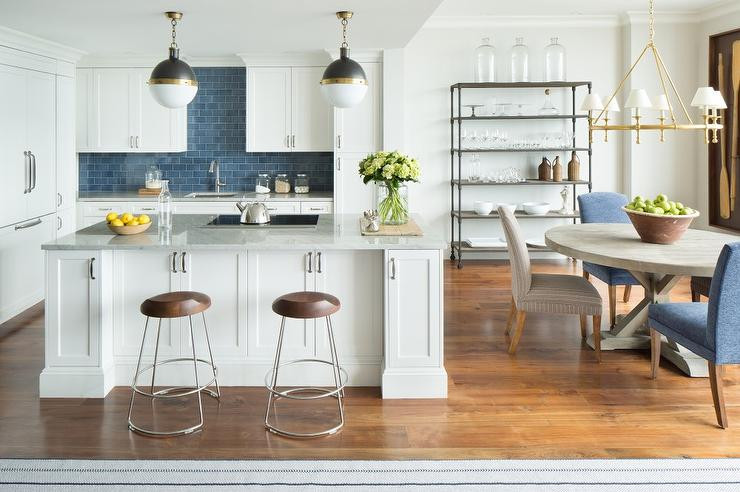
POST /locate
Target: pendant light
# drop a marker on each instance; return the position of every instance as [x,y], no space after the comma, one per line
[173,83]
[344,83]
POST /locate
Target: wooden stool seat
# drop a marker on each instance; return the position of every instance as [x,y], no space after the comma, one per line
[175,304]
[306,305]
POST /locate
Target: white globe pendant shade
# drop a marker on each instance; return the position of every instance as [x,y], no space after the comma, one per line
[173,83]
[344,83]
[344,95]
[173,95]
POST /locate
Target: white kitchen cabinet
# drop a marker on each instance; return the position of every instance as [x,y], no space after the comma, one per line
[41,141]
[66,222]
[359,129]
[313,208]
[285,110]
[351,195]
[66,158]
[116,113]
[14,185]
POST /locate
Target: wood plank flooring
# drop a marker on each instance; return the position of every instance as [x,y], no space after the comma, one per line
[550,400]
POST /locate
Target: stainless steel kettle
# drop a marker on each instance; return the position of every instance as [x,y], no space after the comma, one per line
[253,213]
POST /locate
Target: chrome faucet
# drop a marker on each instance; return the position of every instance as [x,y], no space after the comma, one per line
[214,169]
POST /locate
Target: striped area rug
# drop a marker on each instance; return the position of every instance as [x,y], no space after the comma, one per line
[452,475]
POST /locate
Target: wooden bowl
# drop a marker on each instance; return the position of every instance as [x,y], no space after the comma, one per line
[128,230]
[660,229]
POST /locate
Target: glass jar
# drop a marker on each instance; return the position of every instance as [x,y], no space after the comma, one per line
[520,61]
[554,61]
[282,184]
[301,183]
[164,206]
[262,184]
[485,62]
[153,178]
[393,203]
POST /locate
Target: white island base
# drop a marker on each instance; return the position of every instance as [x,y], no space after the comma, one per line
[388,330]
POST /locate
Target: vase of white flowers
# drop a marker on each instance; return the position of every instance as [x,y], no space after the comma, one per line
[389,171]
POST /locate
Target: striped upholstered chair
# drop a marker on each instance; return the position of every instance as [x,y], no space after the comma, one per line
[710,330]
[606,208]
[545,293]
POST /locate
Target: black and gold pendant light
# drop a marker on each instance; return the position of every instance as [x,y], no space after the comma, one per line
[173,83]
[344,83]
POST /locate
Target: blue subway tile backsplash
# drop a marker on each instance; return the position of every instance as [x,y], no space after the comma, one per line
[216,130]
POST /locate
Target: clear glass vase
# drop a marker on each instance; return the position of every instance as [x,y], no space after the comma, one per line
[392,203]
[554,61]
[485,62]
[519,61]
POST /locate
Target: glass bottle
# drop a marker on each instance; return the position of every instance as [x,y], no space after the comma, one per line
[519,61]
[164,206]
[554,61]
[485,62]
[547,107]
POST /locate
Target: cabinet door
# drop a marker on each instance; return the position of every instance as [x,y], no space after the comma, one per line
[112,110]
[65,140]
[351,195]
[310,113]
[41,138]
[72,309]
[271,274]
[222,275]
[84,115]
[137,276]
[154,127]
[268,109]
[355,278]
[358,128]
[413,304]
[65,222]
[14,165]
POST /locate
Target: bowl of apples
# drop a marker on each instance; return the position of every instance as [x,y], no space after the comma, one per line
[659,221]
[126,224]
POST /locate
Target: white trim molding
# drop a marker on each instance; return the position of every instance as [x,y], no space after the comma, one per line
[466,21]
[33,44]
[285,59]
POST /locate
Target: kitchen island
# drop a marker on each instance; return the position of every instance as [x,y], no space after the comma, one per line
[389,329]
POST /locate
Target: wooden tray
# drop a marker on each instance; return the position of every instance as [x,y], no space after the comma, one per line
[410,228]
[150,191]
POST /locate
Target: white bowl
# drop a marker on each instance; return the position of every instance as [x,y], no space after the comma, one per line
[482,208]
[507,206]
[536,208]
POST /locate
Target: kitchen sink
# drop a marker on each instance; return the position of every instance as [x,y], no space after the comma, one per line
[209,194]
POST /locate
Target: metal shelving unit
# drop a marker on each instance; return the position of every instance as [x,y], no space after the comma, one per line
[457,215]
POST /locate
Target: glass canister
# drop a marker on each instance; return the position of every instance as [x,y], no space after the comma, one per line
[301,183]
[485,62]
[519,61]
[262,184]
[282,184]
[554,61]
[153,178]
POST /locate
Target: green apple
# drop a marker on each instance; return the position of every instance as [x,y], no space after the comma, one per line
[661,198]
[651,209]
[637,198]
[639,209]
[679,205]
[665,206]
[672,204]
[630,206]
[689,211]
[682,212]
[659,211]
[649,203]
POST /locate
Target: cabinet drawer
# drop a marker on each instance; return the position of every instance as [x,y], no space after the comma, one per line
[316,207]
[206,208]
[145,208]
[282,208]
[101,209]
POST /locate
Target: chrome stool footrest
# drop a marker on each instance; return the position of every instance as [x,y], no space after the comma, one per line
[166,392]
[323,392]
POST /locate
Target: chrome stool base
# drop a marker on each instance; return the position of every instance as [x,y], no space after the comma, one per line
[174,391]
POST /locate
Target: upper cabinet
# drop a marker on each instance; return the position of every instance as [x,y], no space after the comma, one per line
[116,113]
[286,111]
[358,129]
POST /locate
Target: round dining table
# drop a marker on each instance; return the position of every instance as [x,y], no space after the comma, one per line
[658,268]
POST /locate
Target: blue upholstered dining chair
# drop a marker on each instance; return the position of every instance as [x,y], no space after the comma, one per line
[606,207]
[711,330]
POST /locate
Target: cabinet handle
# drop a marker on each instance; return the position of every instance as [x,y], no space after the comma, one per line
[59,199]
[339,163]
[174,262]
[105,209]
[26,172]
[393,269]
[28,224]
[318,209]
[137,141]
[339,141]
[33,167]
[147,209]
[287,141]
[310,260]
[131,141]
[292,141]
[182,262]
[92,261]
[59,223]
[318,261]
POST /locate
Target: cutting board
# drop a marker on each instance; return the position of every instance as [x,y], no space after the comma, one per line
[410,228]
[150,191]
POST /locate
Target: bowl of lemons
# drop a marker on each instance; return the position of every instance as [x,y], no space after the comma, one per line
[659,221]
[126,223]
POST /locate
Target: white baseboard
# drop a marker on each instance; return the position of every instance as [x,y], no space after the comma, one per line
[75,382]
[9,312]
[415,383]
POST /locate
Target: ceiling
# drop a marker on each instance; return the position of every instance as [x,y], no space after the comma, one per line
[565,7]
[216,27]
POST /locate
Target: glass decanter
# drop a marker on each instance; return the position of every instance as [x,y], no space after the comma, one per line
[485,62]
[547,107]
[164,206]
[554,61]
[519,61]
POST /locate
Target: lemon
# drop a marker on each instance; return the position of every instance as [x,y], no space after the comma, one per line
[127,217]
[133,222]
[144,219]
[111,217]
[116,222]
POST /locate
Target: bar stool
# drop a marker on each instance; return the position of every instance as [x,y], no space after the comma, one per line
[174,305]
[306,305]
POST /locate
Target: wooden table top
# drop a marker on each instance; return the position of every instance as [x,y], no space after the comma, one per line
[619,246]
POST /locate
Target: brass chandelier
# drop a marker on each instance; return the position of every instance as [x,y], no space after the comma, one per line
[706,98]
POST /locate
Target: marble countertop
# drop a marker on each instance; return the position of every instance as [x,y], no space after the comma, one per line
[333,232]
[133,196]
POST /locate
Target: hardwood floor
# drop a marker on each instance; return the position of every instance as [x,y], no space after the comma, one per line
[550,400]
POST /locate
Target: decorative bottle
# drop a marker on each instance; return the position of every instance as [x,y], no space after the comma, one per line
[557,170]
[164,202]
[519,61]
[574,167]
[485,62]
[554,61]
[544,171]
[547,107]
